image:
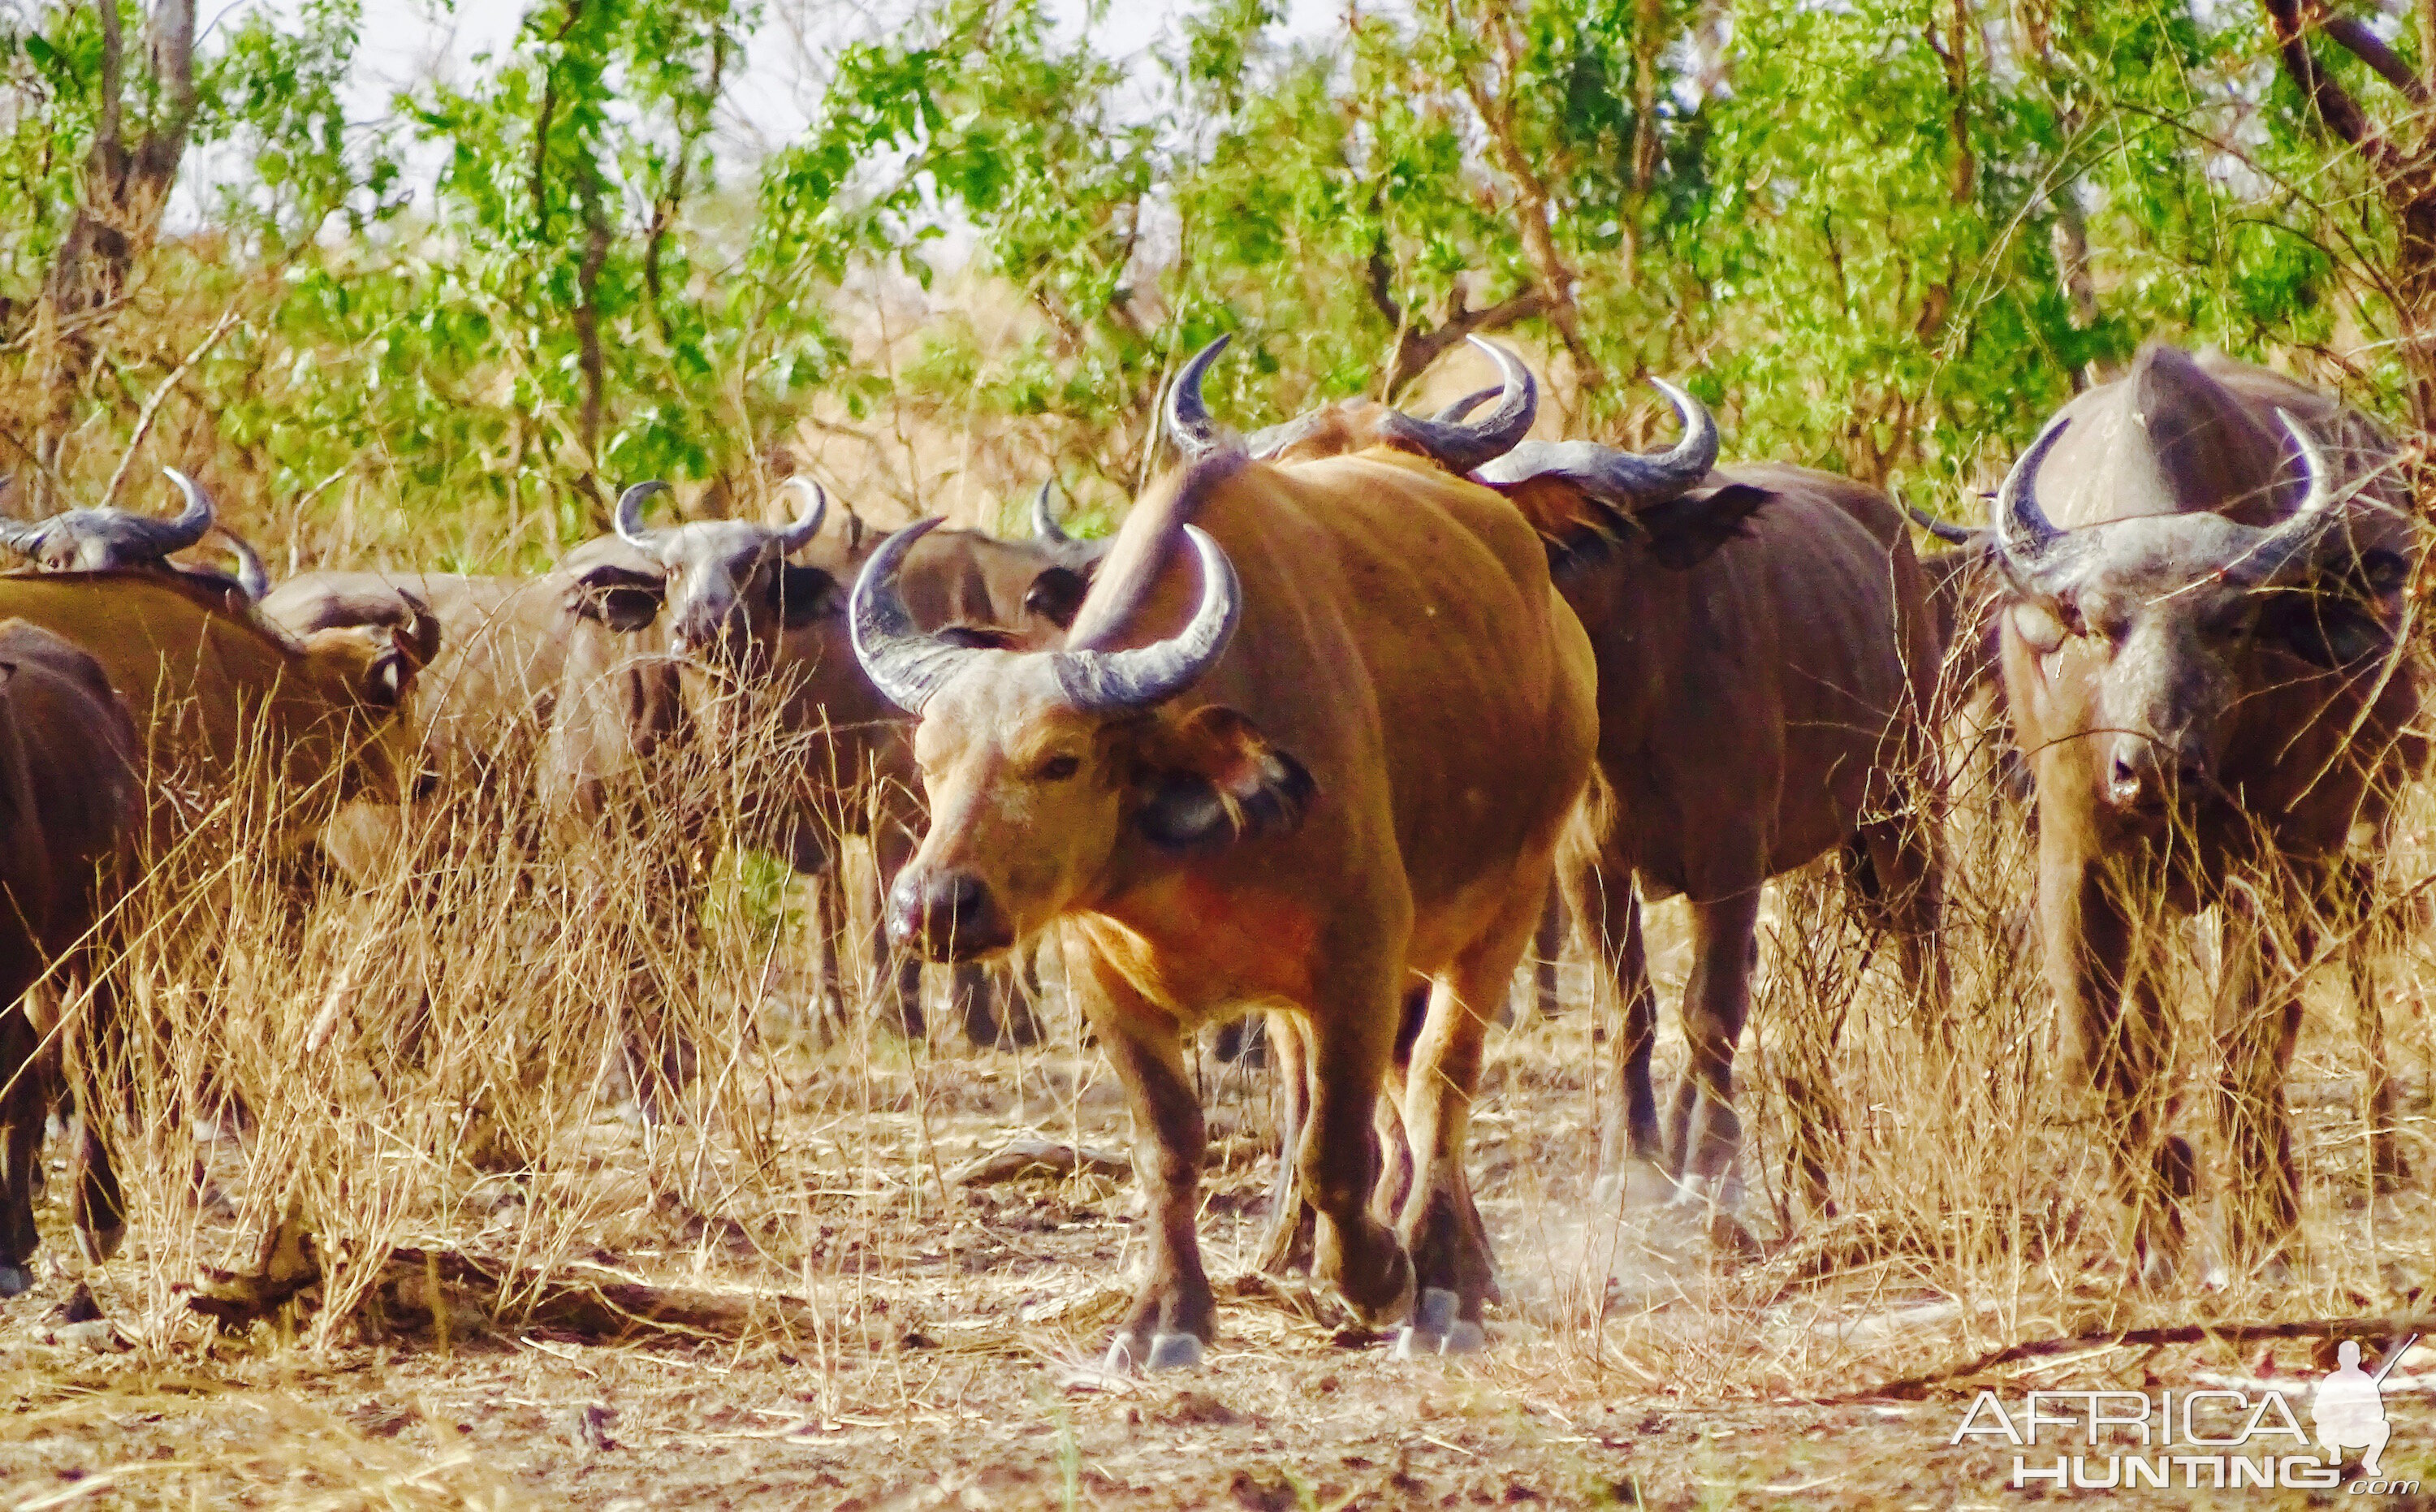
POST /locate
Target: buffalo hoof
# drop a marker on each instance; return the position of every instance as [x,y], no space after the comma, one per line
[15,1280]
[1168,1351]
[1435,1329]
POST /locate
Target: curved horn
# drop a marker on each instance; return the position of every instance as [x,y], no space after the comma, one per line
[1189,426]
[905,663]
[165,536]
[1461,445]
[630,512]
[2020,525]
[1620,479]
[1466,404]
[1044,520]
[796,537]
[2023,532]
[2293,539]
[251,575]
[1099,682]
[1949,535]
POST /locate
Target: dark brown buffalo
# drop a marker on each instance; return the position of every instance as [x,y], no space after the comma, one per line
[1767,658]
[1295,789]
[2203,653]
[70,807]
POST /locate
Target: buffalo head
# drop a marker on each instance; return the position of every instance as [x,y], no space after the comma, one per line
[2150,631]
[726,585]
[110,539]
[1453,442]
[362,676]
[1046,770]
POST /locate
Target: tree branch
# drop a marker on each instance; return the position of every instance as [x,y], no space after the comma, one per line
[173,32]
[2334,104]
[1416,350]
[2370,49]
[152,406]
[113,75]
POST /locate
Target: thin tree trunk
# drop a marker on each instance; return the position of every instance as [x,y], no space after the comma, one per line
[119,201]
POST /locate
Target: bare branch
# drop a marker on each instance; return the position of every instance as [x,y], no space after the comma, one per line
[152,406]
[173,61]
[2370,49]
[113,75]
[2333,104]
[1416,350]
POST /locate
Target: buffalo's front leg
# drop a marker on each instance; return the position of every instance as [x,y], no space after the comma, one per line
[2116,1041]
[2368,934]
[1174,1312]
[2256,1033]
[22,1108]
[1353,1022]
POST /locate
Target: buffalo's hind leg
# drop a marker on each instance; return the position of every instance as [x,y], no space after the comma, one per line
[1175,1314]
[1292,1219]
[1706,1132]
[1603,899]
[1440,1226]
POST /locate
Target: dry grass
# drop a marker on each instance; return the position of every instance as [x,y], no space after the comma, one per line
[472,1100]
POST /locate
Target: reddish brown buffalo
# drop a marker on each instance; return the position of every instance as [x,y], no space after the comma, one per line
[1296,789]
[70,805]
[1765,651]
[2203,653]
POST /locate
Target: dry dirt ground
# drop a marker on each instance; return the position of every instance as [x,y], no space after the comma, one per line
[936,1347]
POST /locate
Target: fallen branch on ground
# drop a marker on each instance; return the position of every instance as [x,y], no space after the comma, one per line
[440,1285]
[1031,1153]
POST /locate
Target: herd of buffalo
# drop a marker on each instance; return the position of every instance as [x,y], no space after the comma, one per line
[1319,734]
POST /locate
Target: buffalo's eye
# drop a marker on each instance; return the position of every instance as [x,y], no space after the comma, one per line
[1057,769]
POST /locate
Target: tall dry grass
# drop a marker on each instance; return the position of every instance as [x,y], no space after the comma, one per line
[456,1055]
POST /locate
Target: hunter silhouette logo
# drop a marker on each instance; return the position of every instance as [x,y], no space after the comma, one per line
[2349,1410]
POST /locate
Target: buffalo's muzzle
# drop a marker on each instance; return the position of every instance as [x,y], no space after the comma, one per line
[947,916]
[2142,778]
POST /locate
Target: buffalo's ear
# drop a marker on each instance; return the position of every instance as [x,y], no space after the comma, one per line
[1056,594]
[802,595]
[620,598]
[390,672]
[1684,532]
[1211,779]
